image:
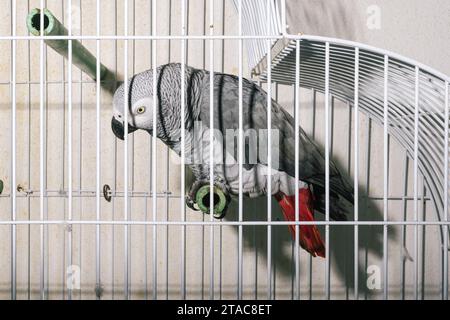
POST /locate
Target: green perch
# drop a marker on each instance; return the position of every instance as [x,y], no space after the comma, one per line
[81,57]
[220,200]
[1,186]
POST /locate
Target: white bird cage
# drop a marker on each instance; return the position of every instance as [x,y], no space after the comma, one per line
[383,117]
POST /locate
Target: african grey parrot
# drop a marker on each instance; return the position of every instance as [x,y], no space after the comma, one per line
[226,121]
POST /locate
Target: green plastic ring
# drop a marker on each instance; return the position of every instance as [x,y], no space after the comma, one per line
[50,21]
[220,205]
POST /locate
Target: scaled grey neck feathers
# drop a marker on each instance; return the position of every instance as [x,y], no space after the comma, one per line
[168,88]
[169,98]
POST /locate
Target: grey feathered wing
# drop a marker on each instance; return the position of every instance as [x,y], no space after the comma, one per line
[226,116]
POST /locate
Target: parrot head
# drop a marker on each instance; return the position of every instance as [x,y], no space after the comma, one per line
[140,103]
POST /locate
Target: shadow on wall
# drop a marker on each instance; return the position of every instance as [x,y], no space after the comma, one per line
[332,19]
[322,17]
[341,243]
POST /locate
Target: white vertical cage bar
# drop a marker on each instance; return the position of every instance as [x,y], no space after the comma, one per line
[211,151]
[241,158]
[132,153]
[220,227]
[385,175]
[113,213]
[167,184]
[70,147]
[154,144]
[356,176]
[125,154]
[183,153]
[80,158]
[367,177]
[150,183]
[41,153]
[145,249]
[146,206]
[269,152]
[416,182]
[166,217]
[29,161]
[423,249]
[47,231]
[446,172]
[98,160]
[404,227]
[297,169]
[327,170]
[13,154]
[313,135]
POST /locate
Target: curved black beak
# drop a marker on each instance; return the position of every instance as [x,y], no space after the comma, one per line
[118,129]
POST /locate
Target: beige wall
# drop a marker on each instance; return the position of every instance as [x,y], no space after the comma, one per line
[413,28]
[197,246]
[417,30]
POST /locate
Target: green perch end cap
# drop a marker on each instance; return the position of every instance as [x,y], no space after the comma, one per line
[1,186]
[34,22]
[202,198]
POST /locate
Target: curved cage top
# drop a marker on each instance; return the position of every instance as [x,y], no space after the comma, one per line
[400,95]
[403,75]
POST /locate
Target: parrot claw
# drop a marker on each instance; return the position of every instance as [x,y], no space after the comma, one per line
[190,197]
[191,203]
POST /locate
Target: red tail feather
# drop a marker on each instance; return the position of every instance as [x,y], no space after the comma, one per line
[310,239]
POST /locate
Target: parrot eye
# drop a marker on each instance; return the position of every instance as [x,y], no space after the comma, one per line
[140,110]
